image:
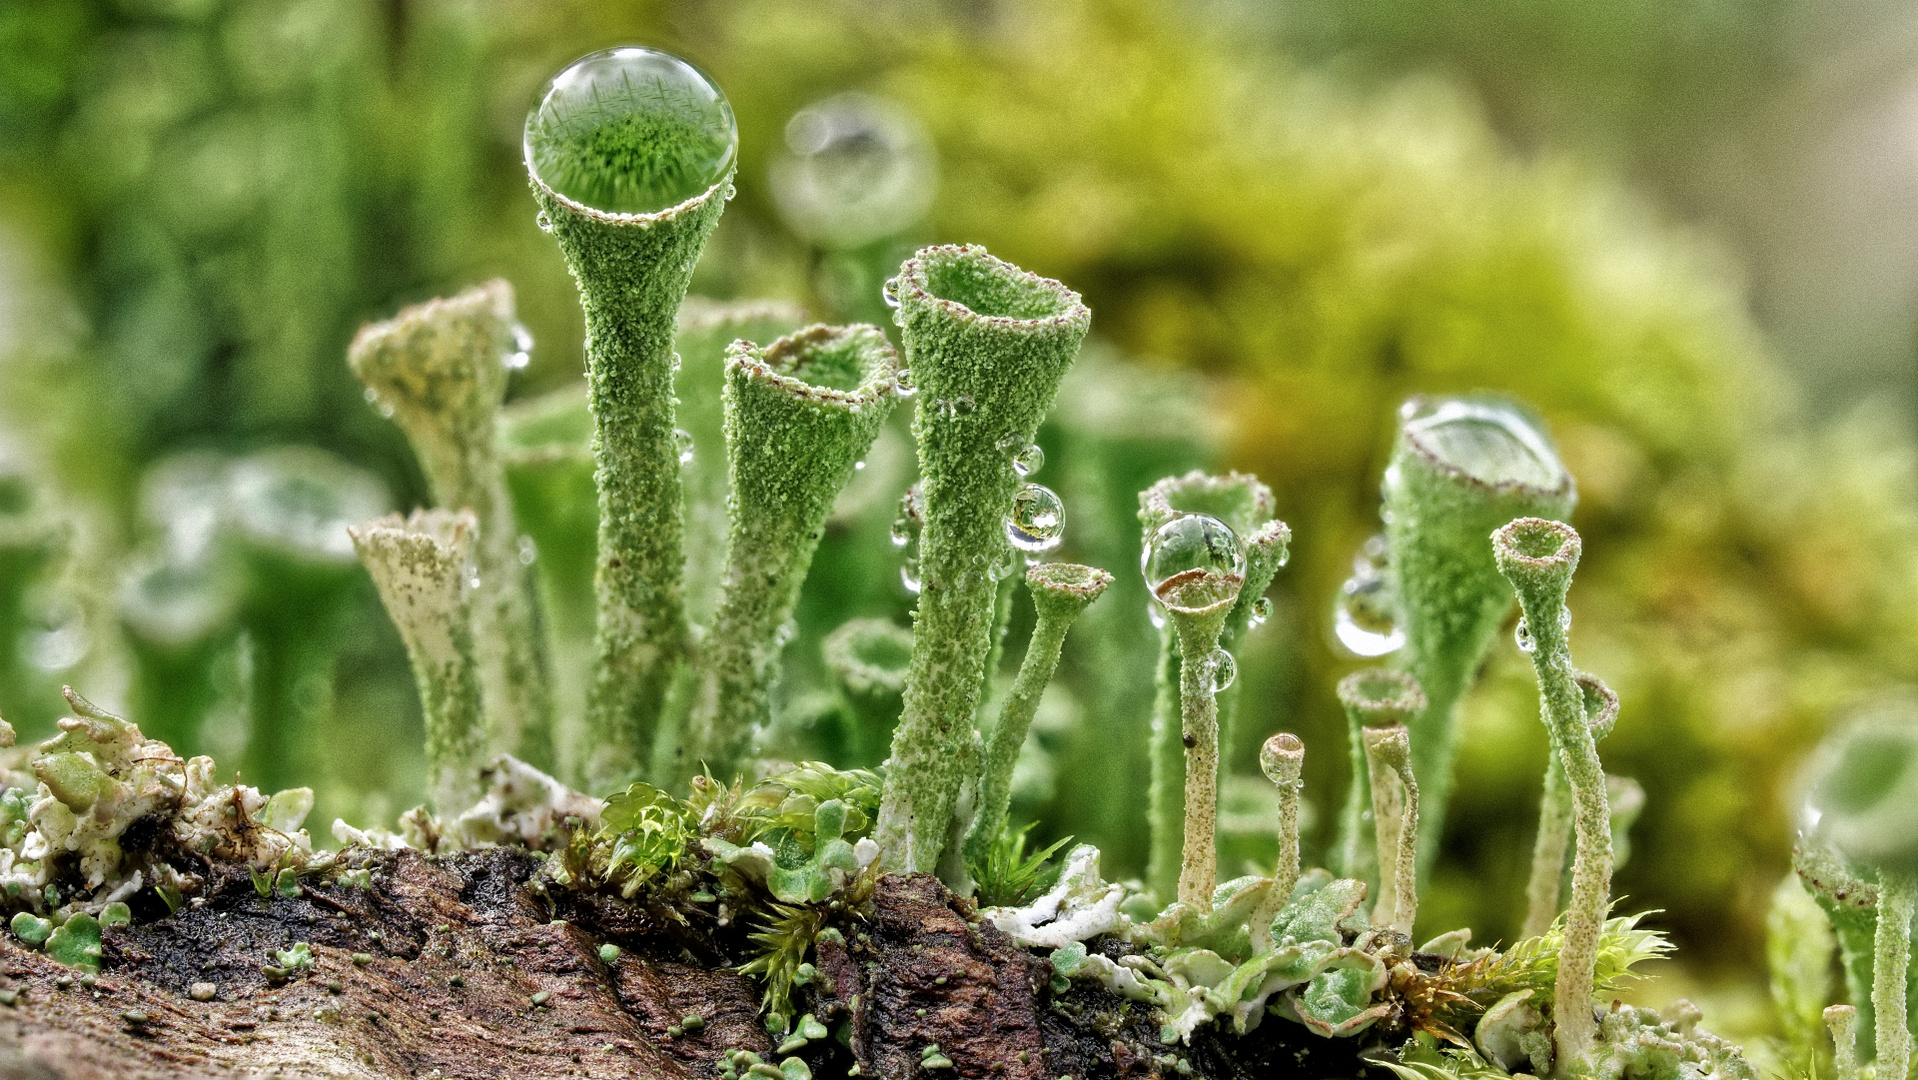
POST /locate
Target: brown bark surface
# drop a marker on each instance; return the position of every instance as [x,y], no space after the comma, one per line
[459,946]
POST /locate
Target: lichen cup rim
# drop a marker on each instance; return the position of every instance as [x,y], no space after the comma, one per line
[880,363]
[1069,307]
[611,217]
[1566,487]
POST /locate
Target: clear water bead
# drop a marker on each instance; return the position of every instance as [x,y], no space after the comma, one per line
[1522,633]
[1038,519]
[528,550]
[1490,441]
[1221,669]
[889,291]
[1366,619]
[522,353]
[1261,610]
[855,168]
[906,526]
[631,131]
[545,223]
[1191,542]
[903,384]
[683,442]
[1030,459]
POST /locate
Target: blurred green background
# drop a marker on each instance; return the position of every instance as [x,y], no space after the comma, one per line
[1686,232]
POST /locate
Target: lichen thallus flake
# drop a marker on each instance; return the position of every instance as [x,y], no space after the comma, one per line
[630,154]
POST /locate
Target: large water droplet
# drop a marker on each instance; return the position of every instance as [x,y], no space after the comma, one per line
[1490,441]
[683,442]
[631,131]
[1038,519]
[1373,556]
[1366,619]
[856,168]
[1191,542]
[1221,669]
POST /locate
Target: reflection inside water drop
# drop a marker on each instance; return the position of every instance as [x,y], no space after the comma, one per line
[1038,519]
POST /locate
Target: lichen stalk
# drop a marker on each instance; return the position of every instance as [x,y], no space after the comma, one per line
[1891,961]
[1395,814]
[1246,506]
[987,344]
[868,659]
[632,271]
[1060,594]
[1440,501]
[1374,697]
[1843,1022]
[441,368]
[800,413]
[1197,603]
[1538,557]
[1555,812]
[422,566]
[1282,759]
[706,329]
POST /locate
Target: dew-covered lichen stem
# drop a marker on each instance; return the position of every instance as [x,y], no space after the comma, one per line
[1197,603]
[1843,1022]
[1245,505]
[423,567]
[441,368]
[1555,812]
[1891,961]
[1460,468]
[1282,759]
[799,413]
[1538,557]
[987,344]
[1395,815]
[632,271]
[1060,593]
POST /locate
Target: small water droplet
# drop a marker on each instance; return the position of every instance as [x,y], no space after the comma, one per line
[963,405]
[1006,565]
[1191,542]
[545,223]
[683,442]
[371,395]
[858,466]
[1156,613]
[904,384]
[1522,636]
[386,410]
[907,579]
[906,525]
[1261,610]
[1366,619]
[1221,669]
[631,131]
[473,582]
[1038,519]
[528,550]
[889,291]
[522,353]
[1027,458]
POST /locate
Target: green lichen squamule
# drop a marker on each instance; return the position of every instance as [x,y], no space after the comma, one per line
[1461,467]
[423,567]
[632,271]
[1060,594]
[441,368]
[800,413]
[1538,557]
[986,344]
